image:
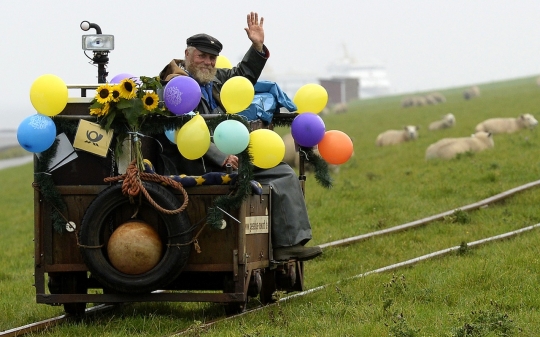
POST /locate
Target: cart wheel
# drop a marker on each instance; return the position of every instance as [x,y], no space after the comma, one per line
[74,283]
[268,287]
[111,208]
[233,308]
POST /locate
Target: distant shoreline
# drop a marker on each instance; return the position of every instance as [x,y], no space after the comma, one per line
[17,161]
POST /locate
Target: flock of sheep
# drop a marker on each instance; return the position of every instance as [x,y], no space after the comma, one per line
[448,148]
[420,100]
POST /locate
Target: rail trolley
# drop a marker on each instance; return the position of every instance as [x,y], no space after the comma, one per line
[232,265]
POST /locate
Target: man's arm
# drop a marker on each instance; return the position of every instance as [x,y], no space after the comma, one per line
[255,31]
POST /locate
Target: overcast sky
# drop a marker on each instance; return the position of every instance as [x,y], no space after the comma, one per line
[425,44]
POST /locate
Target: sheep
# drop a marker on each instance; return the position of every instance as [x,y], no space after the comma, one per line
[392,137]
[292,157]
[325,112]
[290,150]
[428,99]
[447,121]
[339,108]
[419,100]
[407,102]
[471,92]
[438,97]
[448,148]
[507,125]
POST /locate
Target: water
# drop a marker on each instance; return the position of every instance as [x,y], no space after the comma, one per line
[8,138]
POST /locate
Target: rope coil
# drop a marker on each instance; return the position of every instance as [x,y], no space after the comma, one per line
[132,185]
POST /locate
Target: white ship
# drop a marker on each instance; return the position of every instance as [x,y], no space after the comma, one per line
[372,75]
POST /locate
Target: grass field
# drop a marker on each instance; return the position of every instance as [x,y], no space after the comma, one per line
[485,291]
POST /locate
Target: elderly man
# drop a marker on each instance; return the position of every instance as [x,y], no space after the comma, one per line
[291,229]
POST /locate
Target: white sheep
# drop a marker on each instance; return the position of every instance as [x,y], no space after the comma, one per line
[471,92]
[290,149]
[407,102]
[448,121]
[448,148]
[507,125]
[392,137]
[340,108]
[439,97]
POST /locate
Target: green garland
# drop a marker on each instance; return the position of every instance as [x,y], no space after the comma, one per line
[156,125]
[45,183]
[322,174]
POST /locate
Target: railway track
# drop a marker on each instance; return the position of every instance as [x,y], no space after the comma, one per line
[52,322]
[375,271]
[55,321]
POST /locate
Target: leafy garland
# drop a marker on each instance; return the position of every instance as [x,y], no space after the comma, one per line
[155,124]
[45,184]
[322,174]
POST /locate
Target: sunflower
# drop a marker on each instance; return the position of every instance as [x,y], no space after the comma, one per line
[150,100]
[103,93]
[127,88]
[102,111]
[115,94]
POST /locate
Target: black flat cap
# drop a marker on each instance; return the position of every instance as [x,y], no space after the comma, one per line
[205,43]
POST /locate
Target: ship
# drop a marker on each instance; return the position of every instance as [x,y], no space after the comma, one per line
[372,75]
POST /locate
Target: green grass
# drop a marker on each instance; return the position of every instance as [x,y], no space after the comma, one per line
[487,291]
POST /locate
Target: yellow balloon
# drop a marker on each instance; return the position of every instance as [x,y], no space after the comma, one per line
[237,94]
[311,98]
[193,138]
[49,95]
[223,62]
[266,147]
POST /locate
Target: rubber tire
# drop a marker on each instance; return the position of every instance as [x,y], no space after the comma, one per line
[74,283]
[268,287]
[97,218]
[233,308]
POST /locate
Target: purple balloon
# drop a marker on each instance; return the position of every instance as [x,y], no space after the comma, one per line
[181,95]
[120,77]
[308,129]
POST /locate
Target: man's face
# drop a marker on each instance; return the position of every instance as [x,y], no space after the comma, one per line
[200,65]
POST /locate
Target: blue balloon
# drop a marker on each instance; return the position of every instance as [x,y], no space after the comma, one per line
[231,137]
[171,135]
[308,129]
[36,133]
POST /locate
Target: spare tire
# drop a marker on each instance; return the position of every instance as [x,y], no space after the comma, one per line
[109,210]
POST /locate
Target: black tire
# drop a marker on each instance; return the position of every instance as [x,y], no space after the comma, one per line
[233,308]
[69,283]
[74,283]
[268,287]
[110,209]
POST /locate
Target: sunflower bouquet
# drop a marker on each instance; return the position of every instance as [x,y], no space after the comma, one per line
[124,108]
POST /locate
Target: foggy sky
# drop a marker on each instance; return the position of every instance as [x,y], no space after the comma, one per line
[425,44]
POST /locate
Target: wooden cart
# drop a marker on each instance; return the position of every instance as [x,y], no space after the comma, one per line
[233,264]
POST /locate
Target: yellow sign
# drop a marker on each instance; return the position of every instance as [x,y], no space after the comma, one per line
[92,138]
[257,224]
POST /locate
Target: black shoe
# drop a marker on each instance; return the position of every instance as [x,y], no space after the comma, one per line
[297,252]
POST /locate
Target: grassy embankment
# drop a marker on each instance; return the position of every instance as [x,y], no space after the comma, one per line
[490,290]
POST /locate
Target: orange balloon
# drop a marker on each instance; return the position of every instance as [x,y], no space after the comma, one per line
[335,147]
